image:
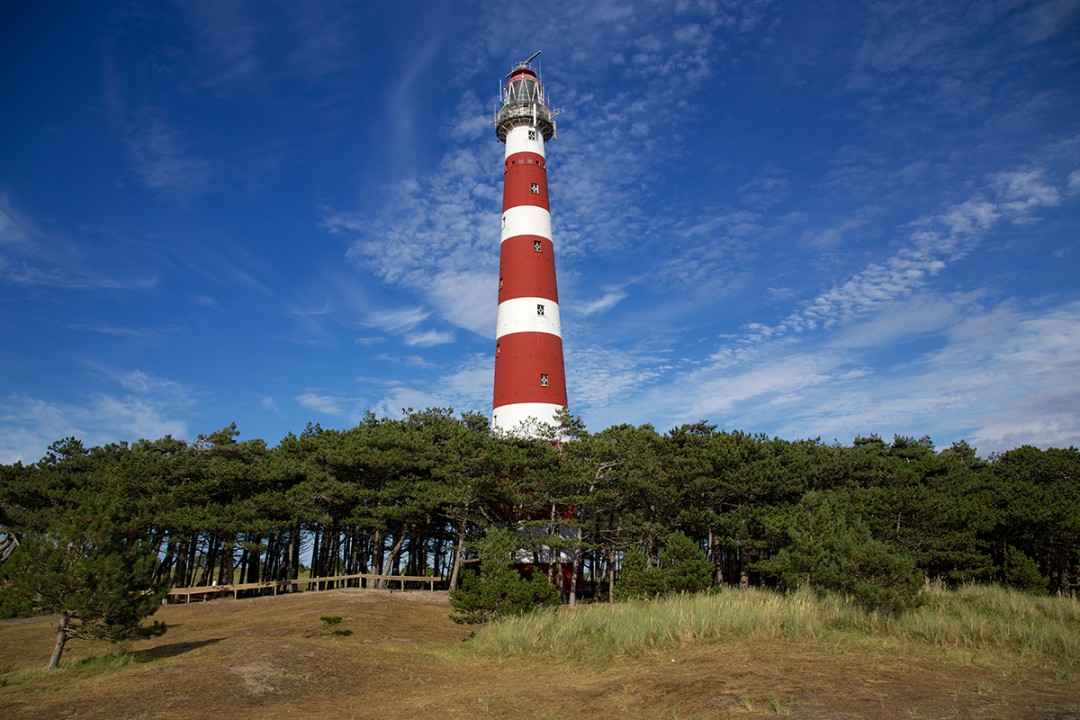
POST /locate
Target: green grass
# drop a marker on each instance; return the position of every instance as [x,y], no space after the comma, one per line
[97,666]
[1026,628]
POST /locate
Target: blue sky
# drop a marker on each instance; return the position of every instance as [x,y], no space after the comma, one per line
[801,219]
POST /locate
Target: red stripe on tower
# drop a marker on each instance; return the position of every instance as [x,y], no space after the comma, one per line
[530,383]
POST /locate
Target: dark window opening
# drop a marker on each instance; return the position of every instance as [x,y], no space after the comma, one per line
[543,380]
[535,188]
[537,245]
[540,310]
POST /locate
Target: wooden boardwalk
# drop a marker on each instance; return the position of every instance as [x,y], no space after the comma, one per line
[206,592]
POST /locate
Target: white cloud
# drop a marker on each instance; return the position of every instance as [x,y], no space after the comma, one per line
[1025,190]
[401,320]
[826,239]
[922,314]
[15,229]
[325,404]
[152,408]
[936,243]
[609,300]
[997,377]
[466,299]
[429,338]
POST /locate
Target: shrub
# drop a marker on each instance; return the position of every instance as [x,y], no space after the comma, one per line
[1022,572]
[637,579]
[827,550]
[684,566]
[498,590]
[683,569]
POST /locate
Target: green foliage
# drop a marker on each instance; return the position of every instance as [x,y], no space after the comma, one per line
[498,590]
[684,566]
[683,569]
[827,550]
[1022,572]
[87,567]
[638,579]
[408,495]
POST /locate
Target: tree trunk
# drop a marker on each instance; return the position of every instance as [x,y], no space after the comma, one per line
[377,552]
[611,576]
[192,558]
[8,545]
[210,560]
[459,550]
[316,540]
[165,566]
[61,639]
[551,550]
[225,574]
[392,557]
[294,552]
[576,568]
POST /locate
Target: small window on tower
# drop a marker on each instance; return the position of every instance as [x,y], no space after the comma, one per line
[500,283]
[543,380]
[504,222]
[536,188]
[532,134]
[537,245]
[498,349]
[540,310]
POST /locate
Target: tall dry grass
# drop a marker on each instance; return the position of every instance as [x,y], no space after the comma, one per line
[1023,627]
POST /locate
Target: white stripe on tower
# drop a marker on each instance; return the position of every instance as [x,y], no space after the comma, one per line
[530,383]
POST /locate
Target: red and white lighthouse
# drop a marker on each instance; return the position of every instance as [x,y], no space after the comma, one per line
[530,383]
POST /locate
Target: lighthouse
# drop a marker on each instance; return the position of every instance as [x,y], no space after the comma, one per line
[530,383]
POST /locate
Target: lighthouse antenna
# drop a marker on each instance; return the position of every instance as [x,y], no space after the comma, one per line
[523,63]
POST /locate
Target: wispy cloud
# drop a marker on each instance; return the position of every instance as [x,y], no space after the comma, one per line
[102,328]
[401,320]
[609,300]
[147,407]
[163,161]
[936,242]
[429,338]
[227,34]
[33,255]
[324,404]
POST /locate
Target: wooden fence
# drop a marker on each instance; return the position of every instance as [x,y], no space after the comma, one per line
[205,592]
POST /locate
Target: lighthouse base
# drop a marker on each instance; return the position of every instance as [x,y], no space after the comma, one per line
[525,419]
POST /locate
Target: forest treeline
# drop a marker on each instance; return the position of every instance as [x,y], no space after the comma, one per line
[411,496]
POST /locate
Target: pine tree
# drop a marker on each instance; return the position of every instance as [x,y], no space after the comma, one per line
[684,566]
[637,579]
[828,550]
[499,590]
[92,572]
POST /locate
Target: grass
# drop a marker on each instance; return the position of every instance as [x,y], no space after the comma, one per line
[980,653]
[1021,629]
